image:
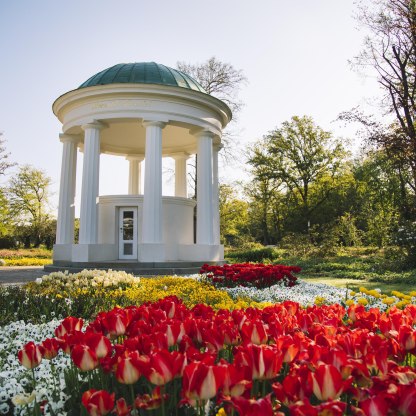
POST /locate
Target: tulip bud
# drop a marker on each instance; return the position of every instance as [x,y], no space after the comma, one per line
[98,403]
[49,348]
[30,355]
[128,369]
[84,357]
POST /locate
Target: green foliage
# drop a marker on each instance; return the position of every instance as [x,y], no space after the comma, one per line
[233,217]
[256,255]
[297,156]
[28,195]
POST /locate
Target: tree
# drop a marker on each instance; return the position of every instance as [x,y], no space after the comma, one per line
[219,79]
[266,200]
[233,216]
[4,157]
[224,82]
[390,50]
[300,154]
[28,195]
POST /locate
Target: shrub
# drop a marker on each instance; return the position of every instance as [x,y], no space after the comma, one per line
[39,253]
[297,244]
[256,255]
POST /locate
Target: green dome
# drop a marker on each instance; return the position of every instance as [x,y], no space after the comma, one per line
[143,73]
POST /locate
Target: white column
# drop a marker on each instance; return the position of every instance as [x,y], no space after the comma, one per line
[134,174]
[152,196]
[216,193]
[88,227]
[66,208]
[204,219]
[180,174]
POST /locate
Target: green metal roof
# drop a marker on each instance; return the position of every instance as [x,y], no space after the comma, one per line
[143,73]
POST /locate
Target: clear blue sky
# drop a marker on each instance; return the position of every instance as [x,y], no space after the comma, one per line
[294,54]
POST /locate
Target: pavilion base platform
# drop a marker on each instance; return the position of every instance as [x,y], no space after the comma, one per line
[133,267]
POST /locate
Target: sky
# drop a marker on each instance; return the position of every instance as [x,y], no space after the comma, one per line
[294,54]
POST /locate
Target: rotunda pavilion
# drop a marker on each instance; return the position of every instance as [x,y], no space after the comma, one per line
[142,112]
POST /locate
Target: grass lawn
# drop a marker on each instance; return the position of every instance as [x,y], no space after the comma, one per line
[355,267]
[354,284]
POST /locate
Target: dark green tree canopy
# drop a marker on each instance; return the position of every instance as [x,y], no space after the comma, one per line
[302,159]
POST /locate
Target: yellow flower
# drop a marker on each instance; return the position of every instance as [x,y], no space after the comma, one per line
[397,294]
[363,289]
[389,301]
[319,300]
[352,293]
[58,296]
[374,293]
[413,293]
[221,412]
[362,301]
[349,302]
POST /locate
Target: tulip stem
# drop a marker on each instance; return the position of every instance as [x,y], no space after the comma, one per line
[133,402]
[34,379]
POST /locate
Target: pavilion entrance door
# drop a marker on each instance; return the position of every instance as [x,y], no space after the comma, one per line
[127,242]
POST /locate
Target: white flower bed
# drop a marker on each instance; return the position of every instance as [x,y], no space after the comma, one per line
[304,293]
[14,377]
[88,278]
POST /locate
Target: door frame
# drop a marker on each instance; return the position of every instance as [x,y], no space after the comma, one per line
[121,242]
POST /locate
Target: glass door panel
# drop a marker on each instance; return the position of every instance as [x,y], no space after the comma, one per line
[128,233]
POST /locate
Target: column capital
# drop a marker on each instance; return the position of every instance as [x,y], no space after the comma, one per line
[180,156]
[217,147]
[93,125]
[153,123]
[69,138]
[139,158]
[202,133]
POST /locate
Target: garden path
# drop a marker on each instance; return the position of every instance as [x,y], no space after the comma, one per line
[20,274]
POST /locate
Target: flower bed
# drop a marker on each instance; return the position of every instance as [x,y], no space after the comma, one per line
[250,275]
[283,359]
[91,291]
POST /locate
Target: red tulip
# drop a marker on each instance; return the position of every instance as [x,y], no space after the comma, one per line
[252,407]
[68,326]
[150,401]
[236,381]
[407,401]
[264,361]
[295,386]
[202,380]
[254,332]
[163,366]
[213,338]
[67,342]
[375,406]
[49,348]
[128,368]
[407,339]
[30,355]
[117,321]
[327,382]
[122,409]
[174,332]
[99,343]
[98,403]
[84,357]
